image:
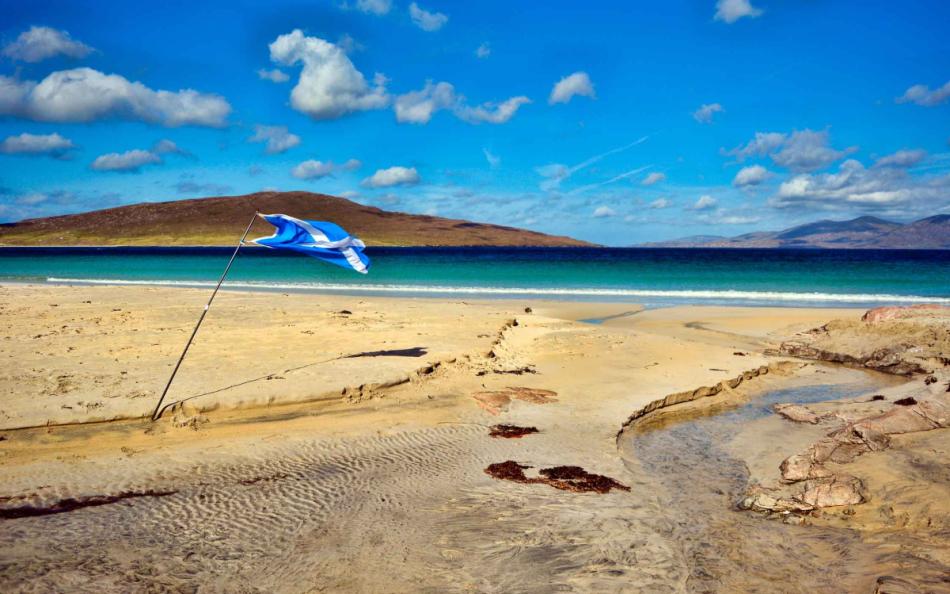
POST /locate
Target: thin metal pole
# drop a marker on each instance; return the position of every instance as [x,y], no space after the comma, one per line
[158,407]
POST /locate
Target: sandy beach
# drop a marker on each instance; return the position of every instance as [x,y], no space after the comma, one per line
[318,443]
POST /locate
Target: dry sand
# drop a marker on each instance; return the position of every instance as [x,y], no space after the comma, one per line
[328,451]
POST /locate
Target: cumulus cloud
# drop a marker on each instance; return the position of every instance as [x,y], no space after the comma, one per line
[50,145]
[312,169]
[275,75]
[705,202]
[603,212]
[393,176]
[902,158]
[800,151]
[40,43]
[483,51]
[750,176]
[923,95]
[493,160]
[490,112]
[127,162]
[653,178]
[660,203]
[854,186]
[425,20]
[417,107]
[730,11]
[329,85]
[278,138]
[807,150]
[705,113]
[85,95]
[565,89]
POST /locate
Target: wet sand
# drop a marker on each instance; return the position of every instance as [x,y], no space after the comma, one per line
[328,451]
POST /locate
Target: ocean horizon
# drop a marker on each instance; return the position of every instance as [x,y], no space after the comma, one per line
[653,276]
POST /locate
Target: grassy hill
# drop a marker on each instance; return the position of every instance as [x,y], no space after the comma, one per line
[221,220]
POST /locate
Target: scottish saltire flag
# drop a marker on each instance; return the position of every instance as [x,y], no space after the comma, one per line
[319,239]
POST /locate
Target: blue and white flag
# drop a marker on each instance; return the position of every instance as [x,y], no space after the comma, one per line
[326,241]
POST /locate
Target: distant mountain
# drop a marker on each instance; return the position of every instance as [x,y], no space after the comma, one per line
[221,220]
[862,232]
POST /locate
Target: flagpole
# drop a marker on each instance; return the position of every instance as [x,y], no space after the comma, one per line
[158,407]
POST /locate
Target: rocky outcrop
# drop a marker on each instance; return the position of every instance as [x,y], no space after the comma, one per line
[817,485]
[882,314]
[896,340]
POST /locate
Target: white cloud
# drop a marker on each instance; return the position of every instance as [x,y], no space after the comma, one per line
[483,51]
[902,158]
[377,7]
[312,169]
[603,212]
[802,150]
[654,178]
[762,144]
[922,95]
[750,176]
[425,20]
[730,11]
[577,83]
[40,43]
[275,75]
[807,150]
[129,161]
[351,165]
[278,138]
[51,145]
[167,147]
[855,187]
[491,113]
[85,95]
[705,202]
[719,218]
[329,86]
[417,107]
[393,176]
[493,160]
[660,203]
[705,113]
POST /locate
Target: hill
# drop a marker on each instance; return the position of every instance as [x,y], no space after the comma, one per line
[860,233]
[221,220]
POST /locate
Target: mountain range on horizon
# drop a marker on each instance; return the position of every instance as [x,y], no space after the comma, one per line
[219,220]
[865,232]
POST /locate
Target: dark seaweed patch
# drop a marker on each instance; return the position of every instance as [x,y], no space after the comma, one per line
[511,431]
[72,504]
[909,401]
[565,478]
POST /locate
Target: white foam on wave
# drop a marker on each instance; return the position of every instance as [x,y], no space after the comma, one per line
[686,294]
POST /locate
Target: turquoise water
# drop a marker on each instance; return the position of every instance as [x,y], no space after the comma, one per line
[651,276]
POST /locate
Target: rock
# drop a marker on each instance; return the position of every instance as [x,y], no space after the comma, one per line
[881,314]
[802,467]
[796,413]
[833,492]
[764,502]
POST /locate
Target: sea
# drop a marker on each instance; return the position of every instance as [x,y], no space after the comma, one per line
[655,277]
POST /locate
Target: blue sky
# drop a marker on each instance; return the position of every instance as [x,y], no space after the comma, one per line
[615,122]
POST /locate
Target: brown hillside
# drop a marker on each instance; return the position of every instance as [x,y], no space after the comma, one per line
[221,220]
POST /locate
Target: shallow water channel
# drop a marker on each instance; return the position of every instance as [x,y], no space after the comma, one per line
[727,550]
